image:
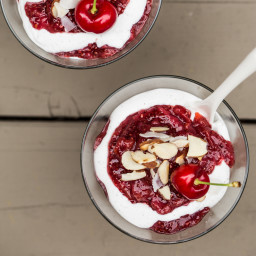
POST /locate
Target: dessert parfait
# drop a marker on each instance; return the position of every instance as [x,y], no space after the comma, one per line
[161,165]
[87,29]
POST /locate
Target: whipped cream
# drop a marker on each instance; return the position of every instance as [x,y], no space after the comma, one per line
[141,214]
[115,37]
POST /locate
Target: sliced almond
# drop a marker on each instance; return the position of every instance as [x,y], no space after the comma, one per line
[165,192]
[200,158]
[156,182]
[197,147]
[181,143]
[55,1]
[129,163]
[152,172]
[178,138]
[180,160]
[201,199]
[159,129]
[158,162]
[57,10]
[54,9]
[141,157]
[144,145]
[163,172]
[150,164]
[158,135]
[165,150]
[151,149]
[133,176]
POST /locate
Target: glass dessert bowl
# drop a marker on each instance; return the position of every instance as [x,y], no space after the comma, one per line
[61,41]
[208,217]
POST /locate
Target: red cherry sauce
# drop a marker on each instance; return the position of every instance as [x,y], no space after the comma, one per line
[40,17]
[177,119]
[184,222]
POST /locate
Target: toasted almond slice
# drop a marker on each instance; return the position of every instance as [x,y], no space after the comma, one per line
[55,1]
[54,9]
[151,149]
[180,160]
[200,158]
[181,143]
[54,12]
[57,10]
[152,172]
[155,135]
[201,199]
[129,163]
[159,129]
[163,172]
[197,147]
[156,182]
[165,192]
[141,157]
[150,165]
[144,145]
[165,150]
[158,162]
[133,176]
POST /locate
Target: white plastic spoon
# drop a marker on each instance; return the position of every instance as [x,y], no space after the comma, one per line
[209,106]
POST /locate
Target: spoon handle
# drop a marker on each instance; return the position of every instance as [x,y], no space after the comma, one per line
[243,71]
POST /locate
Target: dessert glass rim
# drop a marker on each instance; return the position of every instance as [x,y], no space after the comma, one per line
[78,67]
[246,168]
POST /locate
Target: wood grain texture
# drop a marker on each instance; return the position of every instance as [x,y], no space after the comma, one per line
[202,40]
[45,210]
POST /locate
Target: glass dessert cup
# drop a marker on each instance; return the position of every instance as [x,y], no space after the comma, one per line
[217,214]
[13,19]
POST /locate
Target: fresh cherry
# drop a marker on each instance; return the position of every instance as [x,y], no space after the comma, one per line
[95,16]
[183,180]
[193,184]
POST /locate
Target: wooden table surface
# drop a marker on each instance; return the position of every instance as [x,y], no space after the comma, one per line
[44,208]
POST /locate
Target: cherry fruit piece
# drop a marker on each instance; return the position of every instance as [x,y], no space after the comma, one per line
[183,180]
[192,184]
[95,16]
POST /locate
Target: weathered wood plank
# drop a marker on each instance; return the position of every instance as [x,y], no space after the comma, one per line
[204,41]
[45,210]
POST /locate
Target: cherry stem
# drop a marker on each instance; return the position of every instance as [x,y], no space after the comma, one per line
[235,184]
[94,9]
